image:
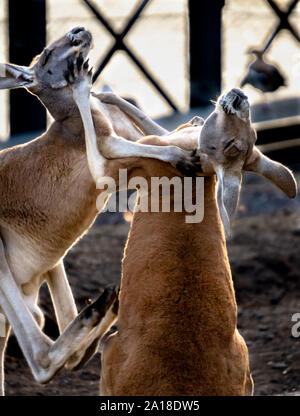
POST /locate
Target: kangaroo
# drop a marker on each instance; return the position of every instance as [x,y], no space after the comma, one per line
[177,319]
[48,199]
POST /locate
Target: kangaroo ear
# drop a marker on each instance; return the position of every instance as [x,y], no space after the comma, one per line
[232,186]
[277,173]
[15,76]
[197,121]
[228,192]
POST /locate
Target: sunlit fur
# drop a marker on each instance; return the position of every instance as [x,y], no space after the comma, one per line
[177,330]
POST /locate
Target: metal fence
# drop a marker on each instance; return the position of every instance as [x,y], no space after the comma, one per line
[160,40]
[249,24]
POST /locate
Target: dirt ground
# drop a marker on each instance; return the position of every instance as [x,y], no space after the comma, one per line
[265,261]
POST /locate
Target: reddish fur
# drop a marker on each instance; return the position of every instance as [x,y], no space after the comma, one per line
[177,330]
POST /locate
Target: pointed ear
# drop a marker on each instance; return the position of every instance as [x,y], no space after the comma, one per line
[232,186]
[197,121]
[220,200]
[228,192]
[277,173]
[15,76]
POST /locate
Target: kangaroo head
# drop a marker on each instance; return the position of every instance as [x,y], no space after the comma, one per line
[227,147]
[45,75]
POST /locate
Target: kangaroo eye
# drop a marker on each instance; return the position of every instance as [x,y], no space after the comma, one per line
[49,71]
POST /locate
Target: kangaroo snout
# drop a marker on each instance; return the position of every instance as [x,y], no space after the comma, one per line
[79,35]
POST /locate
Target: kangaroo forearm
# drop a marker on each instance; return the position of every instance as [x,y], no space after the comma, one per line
[145,123]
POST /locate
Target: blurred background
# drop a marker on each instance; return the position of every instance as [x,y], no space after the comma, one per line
[191,49]
[174,57]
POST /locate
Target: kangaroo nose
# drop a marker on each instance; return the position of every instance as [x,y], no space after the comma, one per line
[240,93]
[77,30]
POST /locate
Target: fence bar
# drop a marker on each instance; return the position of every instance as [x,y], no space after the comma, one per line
[27,38]
[205,50]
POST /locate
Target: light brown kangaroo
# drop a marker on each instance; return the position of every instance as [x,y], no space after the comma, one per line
[48,201]
[177,321]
